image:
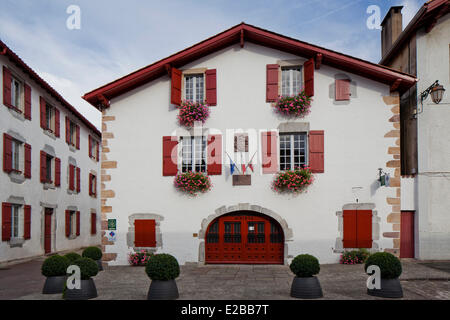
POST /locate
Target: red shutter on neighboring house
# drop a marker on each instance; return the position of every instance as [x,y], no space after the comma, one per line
[269,152]
[90,146]
[27,102]
[78,223]
[316,151]
[214,154]
[71,177]
[170,156]
[42,112]
[27,222]
[349,228]
[27,173]
[175,93]
[272,82]
[67,223]
[6,221]
[57,172]
[97,149]
[364,229]
[90,184]
[342,89]
[7,153]
[93,223]
[211,87]
[6,87]
[144,233]
[57,123]
[77,128]
[67,130]
[43,167]
[78,180]
[309,77]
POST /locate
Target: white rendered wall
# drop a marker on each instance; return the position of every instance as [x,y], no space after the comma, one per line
[355,148]
[32,189]
[433,218]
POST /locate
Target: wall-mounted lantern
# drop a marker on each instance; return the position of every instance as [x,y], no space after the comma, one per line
[435,90]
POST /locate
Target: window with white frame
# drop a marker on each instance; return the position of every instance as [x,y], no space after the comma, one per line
[291,80]
[16,155]
[73,223]
[48,168]
[16,221]
[72,133]
[50,117]
[17,92]
[293,150]
[194,87]
[193,154]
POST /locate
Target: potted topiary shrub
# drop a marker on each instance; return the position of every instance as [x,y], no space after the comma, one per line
[55,269]
[95,254]
[305,285]
[88,269]
[391,269]
[162,269]
[72,256]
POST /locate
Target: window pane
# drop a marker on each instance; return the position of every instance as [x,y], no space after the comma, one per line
[15,221]
[285,82]
[199,88]
[189,88]
[296,81]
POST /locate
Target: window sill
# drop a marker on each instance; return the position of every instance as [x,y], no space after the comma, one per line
[16,113]
[72,191]
[94,159]
[16,242]
[17,177]
[72,236]
[49,133]
[48,185]
[72,148]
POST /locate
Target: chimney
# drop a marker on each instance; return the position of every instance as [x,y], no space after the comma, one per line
[391,27]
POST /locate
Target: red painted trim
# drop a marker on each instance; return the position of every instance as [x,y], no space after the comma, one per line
[256,35]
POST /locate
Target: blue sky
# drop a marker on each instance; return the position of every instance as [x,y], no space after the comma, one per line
[118,37]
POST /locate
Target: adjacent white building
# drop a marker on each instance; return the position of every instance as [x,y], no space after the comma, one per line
[351,132]
[50,165]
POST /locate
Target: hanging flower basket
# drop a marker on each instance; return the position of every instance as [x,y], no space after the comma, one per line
[190,112]
[293,106]
[293,181]
[192,182]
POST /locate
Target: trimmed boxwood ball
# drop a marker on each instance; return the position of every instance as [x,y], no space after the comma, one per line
[88,267]
[55,266]
[162,267]
[72,256]
[389,264]
[305,265]
[92,252]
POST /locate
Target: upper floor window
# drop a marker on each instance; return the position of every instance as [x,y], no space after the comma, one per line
[72,133]
[194,87]
[291,80]
[15,152]
[293,150]
[49,116]
[17,91]
[92,185]
[193,154]
[16,221]
[94,148]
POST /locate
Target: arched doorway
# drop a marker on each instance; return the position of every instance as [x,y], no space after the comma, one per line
[244,237]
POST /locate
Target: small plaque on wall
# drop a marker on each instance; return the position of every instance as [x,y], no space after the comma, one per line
[242,180]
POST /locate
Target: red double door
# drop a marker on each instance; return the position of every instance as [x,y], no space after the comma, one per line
[244,238]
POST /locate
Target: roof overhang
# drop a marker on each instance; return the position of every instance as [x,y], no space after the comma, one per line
[242,33]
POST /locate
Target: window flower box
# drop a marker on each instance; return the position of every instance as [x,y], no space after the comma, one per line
[191,112]
[293,181]
[192,182]
[297,106]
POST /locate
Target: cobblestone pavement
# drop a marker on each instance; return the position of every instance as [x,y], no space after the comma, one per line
[233,282]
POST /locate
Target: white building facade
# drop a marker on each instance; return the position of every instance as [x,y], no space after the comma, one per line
[49,167]
[349,134]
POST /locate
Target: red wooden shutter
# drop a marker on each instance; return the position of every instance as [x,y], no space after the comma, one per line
[175,93]
[27,222]
[78,180]
[97,149]
[363,229]
[269,152]
[78,223]
[27,102]
[349,229]
[90,146]
[215,154]
[67,223]
[170,156]
[42,112]
[6,221]
[57,123]
[7,153]
[90,184]
[309,77]
[342,89]
[57,172]
[77,128]
[71,177]
[407,234]
[211,87]
[6,87]
[67,130]
[43,167]
[27,161]
[316,151]
[144,233]
[93,223]
[272,82]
